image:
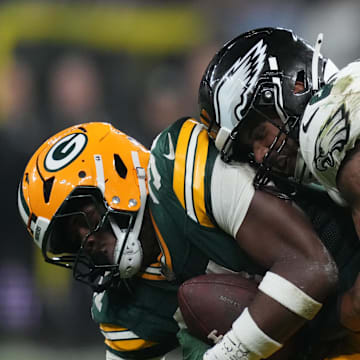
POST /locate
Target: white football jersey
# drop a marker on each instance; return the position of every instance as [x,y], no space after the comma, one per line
[330,127]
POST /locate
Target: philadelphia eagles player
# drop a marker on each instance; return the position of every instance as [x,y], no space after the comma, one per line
[252,96]
[135,224]
[329,138]
[321,148]
[252,99]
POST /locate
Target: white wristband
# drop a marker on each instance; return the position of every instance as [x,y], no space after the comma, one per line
[253,338]
[289,295]
[229,348]
[245,341]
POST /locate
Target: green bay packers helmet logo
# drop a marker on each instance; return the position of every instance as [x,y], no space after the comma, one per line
[65,151]
[332,139]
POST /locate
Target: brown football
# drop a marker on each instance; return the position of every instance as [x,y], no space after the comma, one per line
[214,301]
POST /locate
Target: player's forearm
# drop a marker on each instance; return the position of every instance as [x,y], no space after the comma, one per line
[292,292]
[280,308]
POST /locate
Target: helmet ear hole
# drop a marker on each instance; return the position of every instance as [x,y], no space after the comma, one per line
[47,187]
[120,167]
[300,83]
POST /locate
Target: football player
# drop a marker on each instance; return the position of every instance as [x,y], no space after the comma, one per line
[329,135]
[252,97]
[135,224]
[319,147]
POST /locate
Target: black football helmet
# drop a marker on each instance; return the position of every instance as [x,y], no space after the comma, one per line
[253,77]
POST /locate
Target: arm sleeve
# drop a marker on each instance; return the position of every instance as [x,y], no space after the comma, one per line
[232,191]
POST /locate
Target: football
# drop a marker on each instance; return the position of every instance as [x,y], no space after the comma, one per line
[213,301]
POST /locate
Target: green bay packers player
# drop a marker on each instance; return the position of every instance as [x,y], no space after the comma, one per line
[135,224]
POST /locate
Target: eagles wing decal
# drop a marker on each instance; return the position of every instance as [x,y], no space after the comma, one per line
[240,80]
[333,137]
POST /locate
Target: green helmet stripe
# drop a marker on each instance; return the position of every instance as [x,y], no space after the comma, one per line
[23,202]
[23,207]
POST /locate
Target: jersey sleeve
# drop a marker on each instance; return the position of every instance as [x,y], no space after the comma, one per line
[232,191]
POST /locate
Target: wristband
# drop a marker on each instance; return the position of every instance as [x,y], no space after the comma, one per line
[289,295]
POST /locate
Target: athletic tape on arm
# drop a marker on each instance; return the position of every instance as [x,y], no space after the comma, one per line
[244,341]
[252,337]
[289,295]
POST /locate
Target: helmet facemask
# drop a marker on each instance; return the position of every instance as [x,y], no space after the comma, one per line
[85,208]
[290,122]
[267,105]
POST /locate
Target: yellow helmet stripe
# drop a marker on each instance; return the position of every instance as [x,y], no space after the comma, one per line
[180,160]
[198,182]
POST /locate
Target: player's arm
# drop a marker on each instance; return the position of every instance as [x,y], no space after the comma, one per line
[278,236]
[301,274]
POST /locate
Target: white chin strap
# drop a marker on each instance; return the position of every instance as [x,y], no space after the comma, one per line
[130,248]
[315,62]
[221,137]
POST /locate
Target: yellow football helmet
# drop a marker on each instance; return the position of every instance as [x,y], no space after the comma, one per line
[91,162]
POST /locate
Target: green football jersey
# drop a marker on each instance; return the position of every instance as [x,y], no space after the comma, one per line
[141,325]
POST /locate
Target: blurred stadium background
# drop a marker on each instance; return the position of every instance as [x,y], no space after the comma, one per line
[136,64]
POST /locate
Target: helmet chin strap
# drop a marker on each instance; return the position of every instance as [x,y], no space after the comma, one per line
[315,63]
[128,252]
[131,255]
[222,137]
[302,174]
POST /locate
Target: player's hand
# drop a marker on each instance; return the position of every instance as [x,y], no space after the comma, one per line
[350,307]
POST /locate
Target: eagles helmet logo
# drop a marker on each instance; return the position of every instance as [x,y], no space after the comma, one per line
[333,137]
[238,82]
